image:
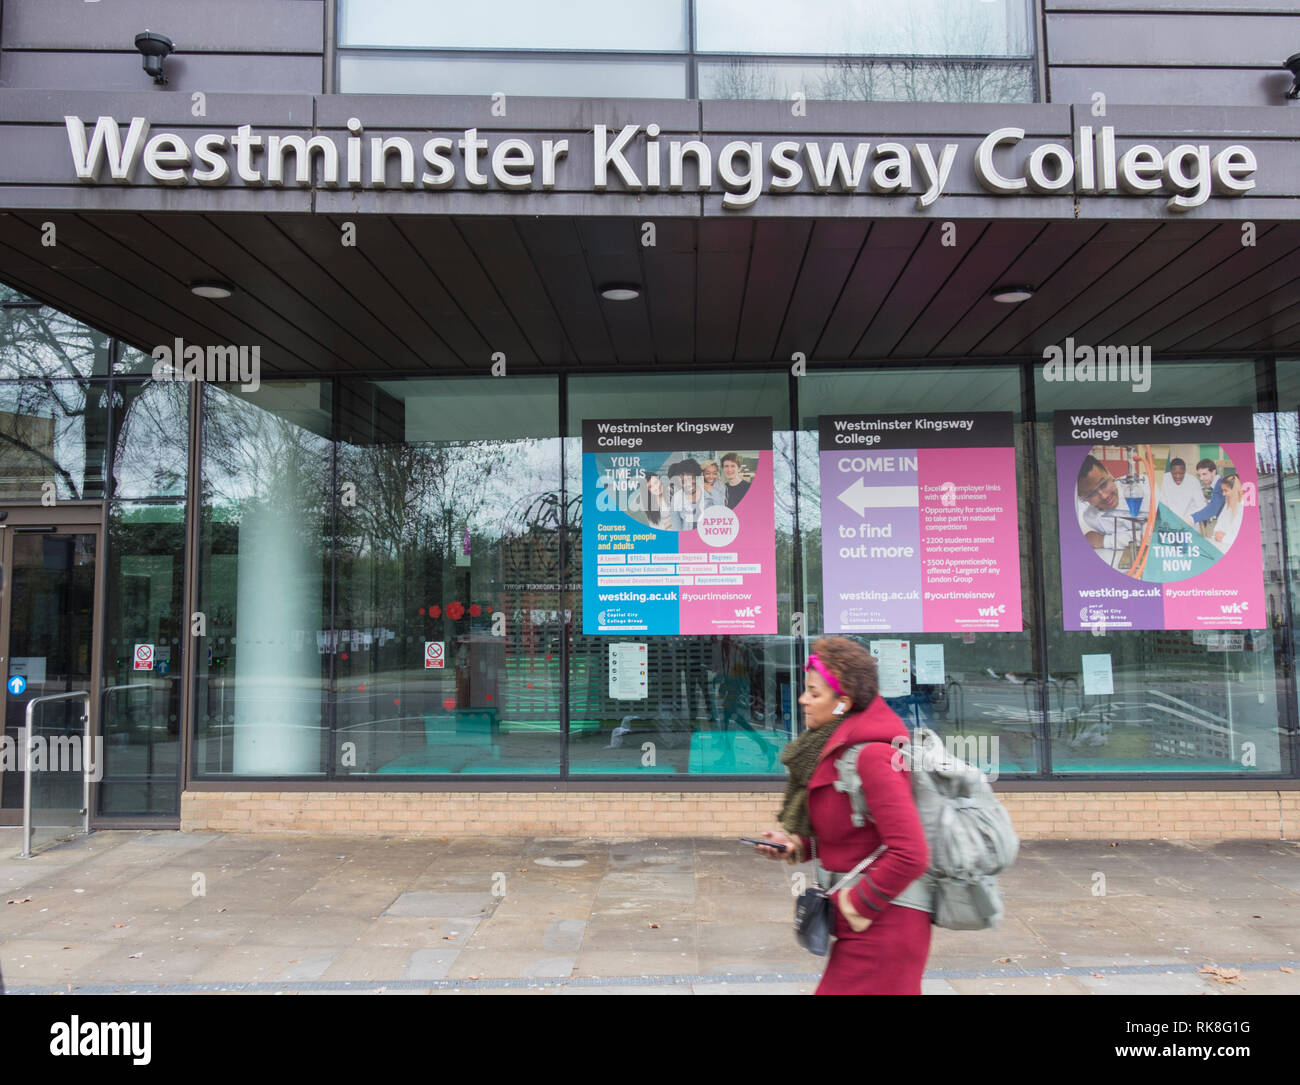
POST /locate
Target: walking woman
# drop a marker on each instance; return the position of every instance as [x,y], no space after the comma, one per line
[882,920]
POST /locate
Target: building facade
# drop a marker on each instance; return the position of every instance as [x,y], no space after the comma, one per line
[454,421]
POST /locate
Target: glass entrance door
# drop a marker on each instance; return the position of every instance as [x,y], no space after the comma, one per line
[47,646]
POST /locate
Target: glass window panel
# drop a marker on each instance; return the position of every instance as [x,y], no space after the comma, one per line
[867,80]
[864,27]
[571,77]
[51,586]
[130,360]
[262,679]
[151,451]
[453,542]
[37,341]
[53,433]
[650,25]
[1184,701]
[991,700]
[1282,576]
[715,705]
[140,710]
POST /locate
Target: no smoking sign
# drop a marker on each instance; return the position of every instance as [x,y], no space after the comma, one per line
[435,654]
[144,657]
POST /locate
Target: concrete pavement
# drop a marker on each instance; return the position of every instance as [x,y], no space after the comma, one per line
[172,912]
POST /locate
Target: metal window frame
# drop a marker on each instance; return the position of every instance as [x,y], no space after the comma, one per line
[564,780]
[692,55]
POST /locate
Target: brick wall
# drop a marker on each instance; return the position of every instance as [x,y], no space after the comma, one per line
[1134,815]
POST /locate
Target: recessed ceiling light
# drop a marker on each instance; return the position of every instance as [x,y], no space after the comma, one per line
[620,291]
[211,289]
[1010,295]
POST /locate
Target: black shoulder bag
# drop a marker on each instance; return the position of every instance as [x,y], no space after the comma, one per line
[813,916]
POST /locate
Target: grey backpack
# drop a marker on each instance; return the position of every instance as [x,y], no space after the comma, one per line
[968,832]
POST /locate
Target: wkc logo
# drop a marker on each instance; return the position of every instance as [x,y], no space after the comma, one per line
[749,612]
[992,612]
[1234,608]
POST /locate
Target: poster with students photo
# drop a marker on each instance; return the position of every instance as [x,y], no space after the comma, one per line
[1159,519]
[679,526]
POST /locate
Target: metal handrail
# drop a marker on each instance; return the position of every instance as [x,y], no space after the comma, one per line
[27,766]
[126,685]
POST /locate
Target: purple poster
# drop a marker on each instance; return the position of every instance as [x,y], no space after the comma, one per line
[1159,519]
[919,523]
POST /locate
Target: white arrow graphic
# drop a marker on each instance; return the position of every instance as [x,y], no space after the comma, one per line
[860,497]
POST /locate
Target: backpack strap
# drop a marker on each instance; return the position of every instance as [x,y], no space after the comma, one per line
[850,783]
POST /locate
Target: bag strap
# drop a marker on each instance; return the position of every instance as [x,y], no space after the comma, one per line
[850,782]
[856,870]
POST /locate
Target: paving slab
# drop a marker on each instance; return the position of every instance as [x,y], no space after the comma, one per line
[429,964]
[603,963]
[45,961]
[254,961]
[661,935]
[175,841]
[396,915]
[483,962]
[299,930]
[151,963]
[312,966]
[426,903]
[1018,985]
[1171,983]
[748,939]
[672,989]
[368,963]
[753,988]
[418,932]
[1264,983]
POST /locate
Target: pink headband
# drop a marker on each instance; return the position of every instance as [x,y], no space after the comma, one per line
[816,664]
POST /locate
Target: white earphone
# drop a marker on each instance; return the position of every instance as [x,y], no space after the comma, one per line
[838,710]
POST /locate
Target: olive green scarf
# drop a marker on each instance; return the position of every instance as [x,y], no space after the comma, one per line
[800,759]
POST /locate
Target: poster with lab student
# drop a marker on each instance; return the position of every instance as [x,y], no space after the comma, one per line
[678,526]
[919,523]
[1159,519]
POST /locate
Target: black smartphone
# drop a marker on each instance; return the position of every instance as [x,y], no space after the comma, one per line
[764,844]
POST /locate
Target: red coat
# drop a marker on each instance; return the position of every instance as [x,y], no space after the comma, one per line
[889,956]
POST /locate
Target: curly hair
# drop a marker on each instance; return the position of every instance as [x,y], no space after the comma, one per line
[853,666]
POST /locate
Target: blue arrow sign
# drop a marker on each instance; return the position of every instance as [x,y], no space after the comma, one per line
[17,685]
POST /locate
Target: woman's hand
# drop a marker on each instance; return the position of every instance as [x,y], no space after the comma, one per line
[791,853]
[1218,536]
[857,922]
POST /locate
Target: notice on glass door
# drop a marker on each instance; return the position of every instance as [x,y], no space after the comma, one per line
[678,526]
[628,670]
[1098,678]
[1159,519]
[894,666]
[929,665]
[919,523]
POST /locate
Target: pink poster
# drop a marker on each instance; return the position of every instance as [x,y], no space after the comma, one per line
[919,523]
[679,526]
